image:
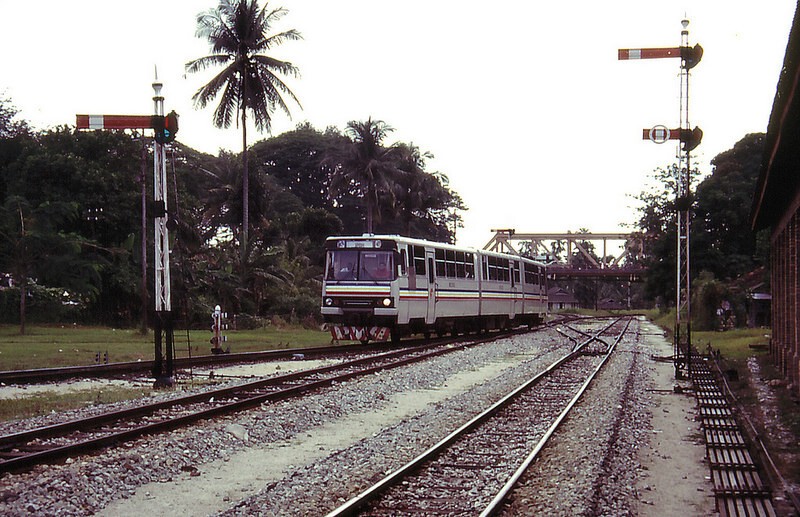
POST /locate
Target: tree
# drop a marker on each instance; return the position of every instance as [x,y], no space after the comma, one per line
[586,290]
[657,222]
[364,167]
[420,204]
[238,32]
[10,126]
[32,246]
[721,227]
[721,240]
[293,160]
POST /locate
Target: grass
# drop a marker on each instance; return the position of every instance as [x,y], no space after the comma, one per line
[48,346]
[70,345]
[733,344]
[45,402]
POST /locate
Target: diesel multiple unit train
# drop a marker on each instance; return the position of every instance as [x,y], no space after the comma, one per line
[378,287]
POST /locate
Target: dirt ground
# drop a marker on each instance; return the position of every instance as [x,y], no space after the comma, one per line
[677,479]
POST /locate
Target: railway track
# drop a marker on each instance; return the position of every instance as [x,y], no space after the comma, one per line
[39,375]
[47,444]
[473,469]
[738,485]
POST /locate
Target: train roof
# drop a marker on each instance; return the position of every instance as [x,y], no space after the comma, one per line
[423,242]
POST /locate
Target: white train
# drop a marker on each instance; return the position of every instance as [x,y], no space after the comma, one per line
[381,286]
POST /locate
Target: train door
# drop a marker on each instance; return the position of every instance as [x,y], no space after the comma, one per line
[517,290]
[431,316]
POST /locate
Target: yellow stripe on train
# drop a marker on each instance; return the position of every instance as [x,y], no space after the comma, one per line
[379,290]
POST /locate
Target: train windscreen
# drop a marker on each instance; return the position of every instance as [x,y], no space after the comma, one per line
[360,265]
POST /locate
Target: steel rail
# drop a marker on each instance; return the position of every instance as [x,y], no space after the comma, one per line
[34,375]
[496,503]
[21,439]
[352,506]
[37,375]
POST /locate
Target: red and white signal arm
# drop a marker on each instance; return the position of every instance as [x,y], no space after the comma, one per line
[658,134]
[625,54]
[113,121]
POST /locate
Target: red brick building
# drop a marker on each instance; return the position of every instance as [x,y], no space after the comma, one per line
[776,205]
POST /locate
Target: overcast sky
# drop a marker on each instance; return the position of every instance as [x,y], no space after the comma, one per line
[524,104]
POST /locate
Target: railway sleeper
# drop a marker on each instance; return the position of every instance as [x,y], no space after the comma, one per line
[725,438]
[716,424]
[715,412]
[738,488]
[410,510]
[739,458]
[738,481]
[745,506]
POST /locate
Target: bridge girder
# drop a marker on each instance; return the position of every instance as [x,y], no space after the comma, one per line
[503,239]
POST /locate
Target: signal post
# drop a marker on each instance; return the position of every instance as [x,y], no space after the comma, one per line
[689,139]
[165,127]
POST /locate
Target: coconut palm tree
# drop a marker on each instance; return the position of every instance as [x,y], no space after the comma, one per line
[365,167]
[238,32]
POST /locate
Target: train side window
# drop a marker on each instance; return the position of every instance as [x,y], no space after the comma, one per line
[460,271]
[469,266]
[403,262]
[419,259]
[530,275]
[440,263]
[450,263]
[492,268]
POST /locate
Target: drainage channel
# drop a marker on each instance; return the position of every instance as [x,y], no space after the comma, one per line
[738,487]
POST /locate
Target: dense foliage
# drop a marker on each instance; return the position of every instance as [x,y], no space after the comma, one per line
[71,222]
[723,247]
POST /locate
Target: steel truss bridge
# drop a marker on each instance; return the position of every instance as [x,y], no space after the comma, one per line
[605,267]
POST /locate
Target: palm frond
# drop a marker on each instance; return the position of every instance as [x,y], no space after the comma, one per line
[238,31]
[202,63]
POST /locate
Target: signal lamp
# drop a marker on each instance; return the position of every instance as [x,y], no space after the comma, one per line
[691,56]
[690,139]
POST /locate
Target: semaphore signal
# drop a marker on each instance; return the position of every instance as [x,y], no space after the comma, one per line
[165,127]
[690,139]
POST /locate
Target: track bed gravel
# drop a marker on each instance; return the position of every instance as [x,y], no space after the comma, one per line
[626,452]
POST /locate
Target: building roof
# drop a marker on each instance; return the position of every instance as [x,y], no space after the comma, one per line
[557,294]
[778,188]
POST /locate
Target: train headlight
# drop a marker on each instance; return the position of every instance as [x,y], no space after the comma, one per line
[387,302]
[328,302]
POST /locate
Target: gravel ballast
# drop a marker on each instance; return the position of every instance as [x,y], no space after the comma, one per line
[307,456]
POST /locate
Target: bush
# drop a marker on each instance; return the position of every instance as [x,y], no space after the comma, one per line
[44,305]
[715,306]
[246,321]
